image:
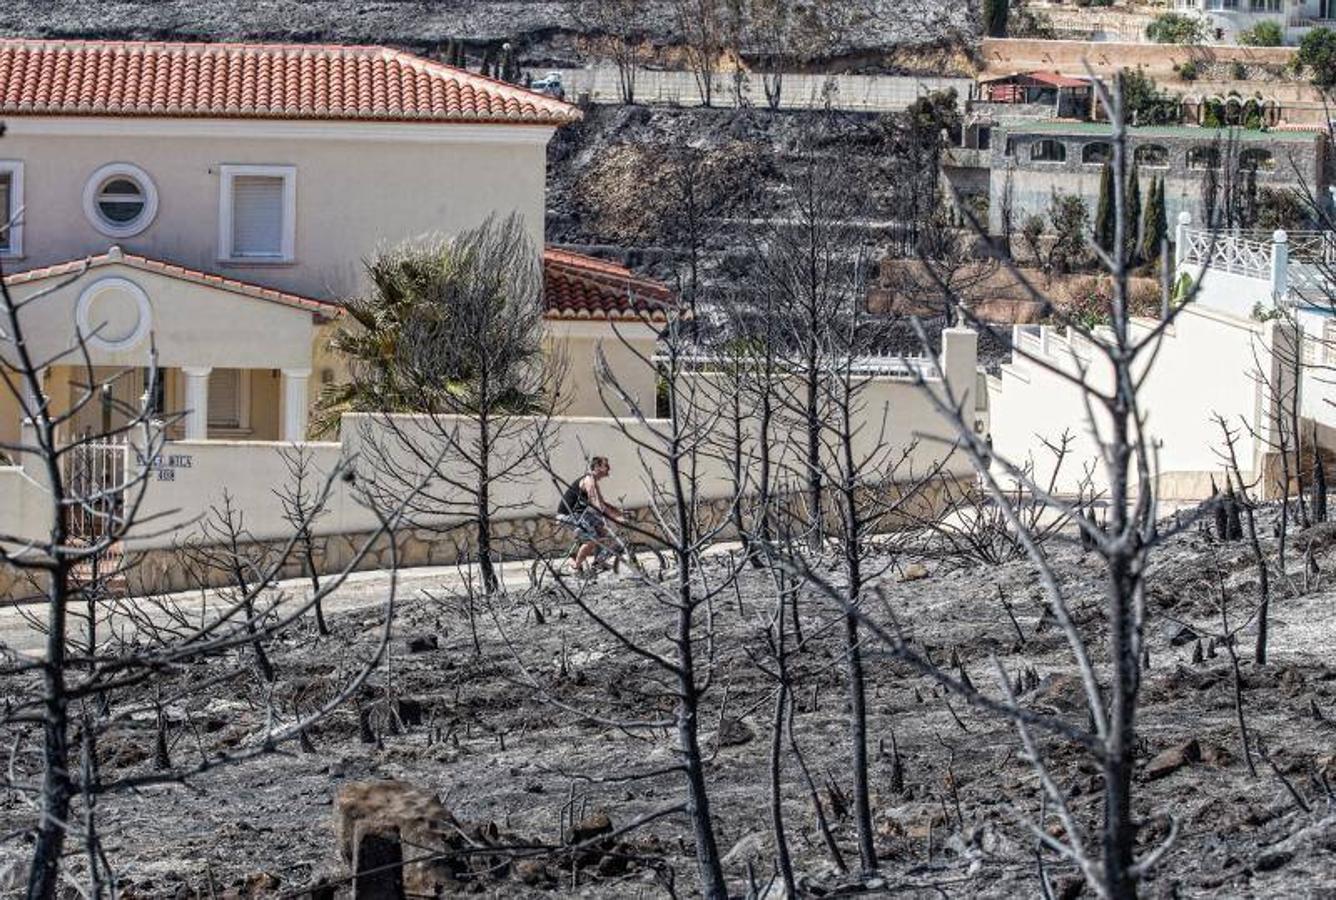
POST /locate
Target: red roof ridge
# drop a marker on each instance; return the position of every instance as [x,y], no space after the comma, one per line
[576,286]
[256,80]
[594,267]
[115,256]
[413,59]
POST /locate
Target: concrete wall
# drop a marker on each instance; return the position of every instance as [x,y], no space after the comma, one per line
[187,478]
[880,93]
[358,187]
[1207,365]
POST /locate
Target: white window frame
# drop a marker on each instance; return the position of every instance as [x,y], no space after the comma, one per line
[120,229]
[289,240]
[14,169]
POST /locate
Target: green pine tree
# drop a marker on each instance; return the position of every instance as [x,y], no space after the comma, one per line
[1104,218]
[1133,219]
[1155,228]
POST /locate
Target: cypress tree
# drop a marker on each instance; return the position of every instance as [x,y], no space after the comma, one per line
[995,14]
[1156,226]
[1104,218]
[1133,245]
[509,69]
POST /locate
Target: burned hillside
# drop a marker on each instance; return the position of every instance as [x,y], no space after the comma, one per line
[886,35]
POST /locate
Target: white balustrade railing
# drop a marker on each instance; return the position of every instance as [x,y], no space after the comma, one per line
[1228,253]
[1305,246]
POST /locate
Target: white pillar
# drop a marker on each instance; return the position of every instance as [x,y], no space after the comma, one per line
[1181,240]
[30,462]
[1280,266]
[32,403]
[294,404]
[197,402]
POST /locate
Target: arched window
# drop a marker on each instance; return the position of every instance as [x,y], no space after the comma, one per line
[1233,110]
[1257,160]
[1152,156]
[1097,153]
[1048,150]
[1204,158]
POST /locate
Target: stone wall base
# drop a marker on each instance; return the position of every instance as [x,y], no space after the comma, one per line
[171,569]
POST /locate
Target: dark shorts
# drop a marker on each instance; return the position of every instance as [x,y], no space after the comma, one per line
[588,523]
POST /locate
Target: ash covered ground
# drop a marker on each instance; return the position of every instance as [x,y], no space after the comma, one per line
[519,761]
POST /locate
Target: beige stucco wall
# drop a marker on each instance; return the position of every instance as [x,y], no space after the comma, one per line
[359,186]
[574,348]
[192,324]
[896,412]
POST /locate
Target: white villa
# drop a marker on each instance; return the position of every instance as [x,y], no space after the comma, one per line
[223,198]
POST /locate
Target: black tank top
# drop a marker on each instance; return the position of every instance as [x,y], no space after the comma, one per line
[575,500]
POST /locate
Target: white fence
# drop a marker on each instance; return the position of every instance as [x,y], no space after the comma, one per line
[1241,270]
[870,93]
[1226,253]
[95,473]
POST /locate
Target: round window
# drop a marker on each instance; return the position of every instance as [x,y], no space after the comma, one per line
[120,200]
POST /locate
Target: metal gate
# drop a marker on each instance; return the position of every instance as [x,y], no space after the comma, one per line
[95,471]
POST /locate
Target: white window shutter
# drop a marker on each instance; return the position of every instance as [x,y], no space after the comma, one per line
[257,216]
[225,398]
[6,207]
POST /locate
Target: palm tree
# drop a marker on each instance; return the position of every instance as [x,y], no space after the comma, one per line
[451,331]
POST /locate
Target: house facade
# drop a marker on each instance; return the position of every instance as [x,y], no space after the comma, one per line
[1228,18]
[221,199]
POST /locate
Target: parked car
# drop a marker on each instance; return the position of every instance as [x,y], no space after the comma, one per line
[550,84]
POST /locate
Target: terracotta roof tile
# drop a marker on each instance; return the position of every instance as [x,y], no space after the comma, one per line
[115,256]
[576,286]
[261,81]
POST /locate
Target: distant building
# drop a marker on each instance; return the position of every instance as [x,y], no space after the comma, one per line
[1027,162]
[1228,18]
[1050,92]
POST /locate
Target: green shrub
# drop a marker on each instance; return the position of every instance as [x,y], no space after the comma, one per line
[1176,28]
[1317,51]
[1263,34]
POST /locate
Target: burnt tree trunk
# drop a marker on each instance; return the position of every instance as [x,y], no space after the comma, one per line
[483,512]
